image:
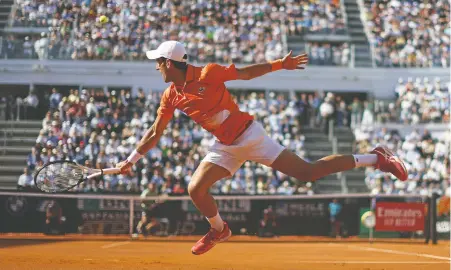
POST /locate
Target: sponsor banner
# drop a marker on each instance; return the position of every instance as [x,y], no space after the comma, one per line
[293,216]
[101,216]
[400,217]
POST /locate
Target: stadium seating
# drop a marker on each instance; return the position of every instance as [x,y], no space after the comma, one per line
[219,31]
[410,33]
[423,100]
[234,31]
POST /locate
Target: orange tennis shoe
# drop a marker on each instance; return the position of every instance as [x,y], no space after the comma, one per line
[212,238]
[388,162]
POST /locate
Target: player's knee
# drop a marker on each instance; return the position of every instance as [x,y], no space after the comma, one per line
[194,190]
[309,174]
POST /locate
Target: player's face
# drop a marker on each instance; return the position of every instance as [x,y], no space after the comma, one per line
[162,66]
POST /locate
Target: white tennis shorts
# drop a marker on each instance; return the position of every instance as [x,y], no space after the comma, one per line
[254,144]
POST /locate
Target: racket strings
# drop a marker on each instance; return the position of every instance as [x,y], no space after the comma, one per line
[59,177]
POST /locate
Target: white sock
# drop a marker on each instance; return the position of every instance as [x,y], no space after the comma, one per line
[365,160]
[216,222]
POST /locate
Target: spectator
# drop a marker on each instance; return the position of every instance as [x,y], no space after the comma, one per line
[25,181]
[268,224]
[41,47]
[55,99]
[327,111]
[334,212]
[54,219]
[368,114]
[149,210]
[32,159]
[28,105]
[356,113]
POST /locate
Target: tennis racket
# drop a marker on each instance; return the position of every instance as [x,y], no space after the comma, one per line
[63,175]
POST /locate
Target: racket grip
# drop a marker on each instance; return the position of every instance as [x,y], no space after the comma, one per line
[112,171]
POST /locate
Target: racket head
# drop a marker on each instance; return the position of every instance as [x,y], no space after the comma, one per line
[59,176]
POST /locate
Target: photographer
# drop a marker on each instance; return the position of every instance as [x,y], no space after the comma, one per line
[268,225]
[54,219]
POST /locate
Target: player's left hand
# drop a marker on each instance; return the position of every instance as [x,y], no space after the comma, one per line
[297,62]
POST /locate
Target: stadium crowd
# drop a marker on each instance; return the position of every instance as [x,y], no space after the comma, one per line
[220,31]
[419,100]
[410,33]
[404,34]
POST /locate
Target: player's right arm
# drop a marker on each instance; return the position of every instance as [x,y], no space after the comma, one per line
[152,135]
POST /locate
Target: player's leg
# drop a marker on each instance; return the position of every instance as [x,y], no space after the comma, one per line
[203,178]
[381,158]
[291,164]
[270,153]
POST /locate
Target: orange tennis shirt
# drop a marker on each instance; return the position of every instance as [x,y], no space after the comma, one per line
[206,100]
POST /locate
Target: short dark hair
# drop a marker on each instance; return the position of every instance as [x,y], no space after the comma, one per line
[180,65]
[177,64]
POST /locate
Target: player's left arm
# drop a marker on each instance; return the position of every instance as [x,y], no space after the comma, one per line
[289,62]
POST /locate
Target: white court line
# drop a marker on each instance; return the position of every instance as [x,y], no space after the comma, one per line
[400,252]
[116,244]
[373,262]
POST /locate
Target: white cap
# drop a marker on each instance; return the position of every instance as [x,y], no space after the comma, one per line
[173,50]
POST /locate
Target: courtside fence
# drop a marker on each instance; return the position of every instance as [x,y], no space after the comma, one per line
[396,216]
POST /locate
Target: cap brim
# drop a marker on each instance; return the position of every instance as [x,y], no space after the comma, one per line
[152,55]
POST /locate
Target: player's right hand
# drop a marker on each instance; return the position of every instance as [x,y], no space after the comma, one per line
[125,166]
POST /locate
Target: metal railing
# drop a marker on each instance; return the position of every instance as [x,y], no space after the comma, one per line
[11,14]
[5,136]
[284,39]
[331,130]
[1,46]
[352,62]
[341,176]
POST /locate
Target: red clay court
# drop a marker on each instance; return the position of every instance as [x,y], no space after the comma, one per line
[28,251]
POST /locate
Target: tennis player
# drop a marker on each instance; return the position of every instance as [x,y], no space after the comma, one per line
[201,94]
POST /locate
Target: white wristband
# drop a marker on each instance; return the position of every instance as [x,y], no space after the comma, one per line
[134,157]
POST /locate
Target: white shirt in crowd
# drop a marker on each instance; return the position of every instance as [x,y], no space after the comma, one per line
[32,100]
[25,180]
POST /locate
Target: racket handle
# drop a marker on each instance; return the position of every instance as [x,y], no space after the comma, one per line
[103,172]
[112,171]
